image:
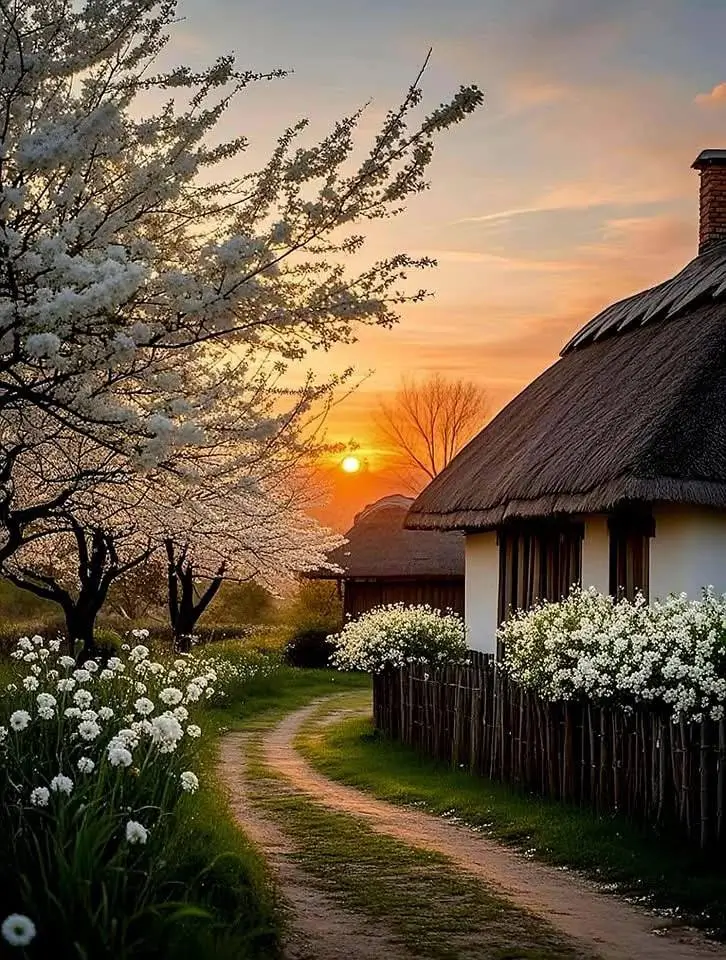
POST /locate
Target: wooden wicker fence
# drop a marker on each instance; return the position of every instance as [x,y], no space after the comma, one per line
[638,763]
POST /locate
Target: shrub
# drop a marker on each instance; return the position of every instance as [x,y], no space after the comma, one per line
[315,606]
[393,635]
[588,646]
[97,769]
[311,648]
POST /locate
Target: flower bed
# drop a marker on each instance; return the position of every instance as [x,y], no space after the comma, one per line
[671,653]
[97,764]
[394,635]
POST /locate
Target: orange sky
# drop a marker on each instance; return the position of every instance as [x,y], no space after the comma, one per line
[571,188]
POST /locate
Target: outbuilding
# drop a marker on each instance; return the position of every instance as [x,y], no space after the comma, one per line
[383,562]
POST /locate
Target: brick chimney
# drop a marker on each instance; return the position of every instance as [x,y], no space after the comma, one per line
[712,210]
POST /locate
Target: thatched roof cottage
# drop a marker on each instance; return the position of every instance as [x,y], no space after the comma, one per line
[610,468]
[382,562]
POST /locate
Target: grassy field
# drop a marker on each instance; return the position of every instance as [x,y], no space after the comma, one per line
[636,862]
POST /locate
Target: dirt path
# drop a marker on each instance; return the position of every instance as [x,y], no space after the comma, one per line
[317,928]
[613,929]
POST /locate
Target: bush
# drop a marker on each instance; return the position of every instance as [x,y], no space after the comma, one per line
[393,635]
[97,776]
[315,606]
[671,653]
[311,648]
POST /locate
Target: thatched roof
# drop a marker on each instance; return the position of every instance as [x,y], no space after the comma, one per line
[634,411]
[379,546]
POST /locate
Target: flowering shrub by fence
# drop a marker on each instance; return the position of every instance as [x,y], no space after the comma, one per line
[95,763]
[393,635]
[671,653]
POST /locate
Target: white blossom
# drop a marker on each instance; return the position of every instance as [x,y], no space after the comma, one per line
[136,832]
[18,930]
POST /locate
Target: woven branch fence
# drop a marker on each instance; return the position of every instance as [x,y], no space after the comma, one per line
[638,763]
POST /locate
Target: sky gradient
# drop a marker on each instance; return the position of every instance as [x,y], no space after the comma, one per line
[571,188]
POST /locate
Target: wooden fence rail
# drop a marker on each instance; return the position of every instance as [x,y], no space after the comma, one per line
[637,762]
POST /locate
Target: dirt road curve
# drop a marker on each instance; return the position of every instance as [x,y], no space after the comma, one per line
[615,930]
[318,928]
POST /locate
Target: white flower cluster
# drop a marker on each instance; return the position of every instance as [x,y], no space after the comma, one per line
[671,653]
[109,740]
[393,635]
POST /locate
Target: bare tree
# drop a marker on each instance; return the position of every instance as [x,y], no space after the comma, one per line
[427,422]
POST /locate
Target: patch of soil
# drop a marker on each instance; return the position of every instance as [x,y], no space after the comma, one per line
[317,928]
[613,929]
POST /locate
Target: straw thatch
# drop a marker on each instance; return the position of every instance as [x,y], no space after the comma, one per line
[379,546]
[634,411]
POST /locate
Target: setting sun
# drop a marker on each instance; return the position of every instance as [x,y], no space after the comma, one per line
[350,465]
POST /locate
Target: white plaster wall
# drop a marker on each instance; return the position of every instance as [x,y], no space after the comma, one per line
[688,551]
[481,590]
[596,554]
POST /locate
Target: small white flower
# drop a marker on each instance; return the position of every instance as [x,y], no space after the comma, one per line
[3,733]
[65,685]
[44,653]
[140,687]
[171,696]
[106,675]
[85,765]
[30,683]
[30,656]
[18,930]
[82,699]
[72,713]
[19,720]
[45,700]
[105,713]
[181,713]
[61,784]
[166,732]
[88,729]
[189,781]
[91,666]
[40,796]
[82,676]
[144,706]
[194,692]
[119,756]
[24,643]
[136,832]
[66,662]
[194,731]
[140,652]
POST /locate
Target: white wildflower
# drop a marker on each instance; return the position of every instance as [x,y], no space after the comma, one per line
[18,930]
[19,720]
[136,832]
[40,796]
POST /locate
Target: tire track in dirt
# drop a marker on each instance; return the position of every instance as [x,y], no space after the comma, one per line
[317,928]
[615,930]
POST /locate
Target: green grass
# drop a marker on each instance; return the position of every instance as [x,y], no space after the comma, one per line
[659,869]
[429,907]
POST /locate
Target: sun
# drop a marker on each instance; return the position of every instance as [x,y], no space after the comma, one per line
[350,465]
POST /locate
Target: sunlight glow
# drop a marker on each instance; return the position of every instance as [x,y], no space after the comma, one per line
[350,465]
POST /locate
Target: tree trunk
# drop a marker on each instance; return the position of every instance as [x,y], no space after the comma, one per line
[80,624]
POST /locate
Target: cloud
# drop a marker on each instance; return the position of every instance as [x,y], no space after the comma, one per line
[714,98]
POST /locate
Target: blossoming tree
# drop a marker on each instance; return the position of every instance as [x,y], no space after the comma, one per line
[132,266]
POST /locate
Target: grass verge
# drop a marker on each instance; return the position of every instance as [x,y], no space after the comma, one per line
[622,856]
